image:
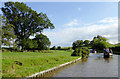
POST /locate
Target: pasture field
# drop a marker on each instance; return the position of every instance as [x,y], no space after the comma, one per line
[22,64]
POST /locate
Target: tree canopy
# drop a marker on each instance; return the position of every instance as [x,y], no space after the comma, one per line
[86,43]
[8,35]
[81,51]
[30,44]
[25,20]
[42,41]
[99,43]
[78,43]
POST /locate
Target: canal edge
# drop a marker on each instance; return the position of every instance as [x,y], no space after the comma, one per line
[42,73]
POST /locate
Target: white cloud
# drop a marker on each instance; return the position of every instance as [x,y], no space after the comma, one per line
[109,20]
[68,35]
[72,23]
[79,9]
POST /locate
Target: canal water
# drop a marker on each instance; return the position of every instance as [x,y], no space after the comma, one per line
[95,66]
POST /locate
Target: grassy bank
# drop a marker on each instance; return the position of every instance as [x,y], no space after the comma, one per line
[117,52]
[19,64]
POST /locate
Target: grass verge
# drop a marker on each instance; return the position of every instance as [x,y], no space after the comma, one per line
[19,64]
[116,52]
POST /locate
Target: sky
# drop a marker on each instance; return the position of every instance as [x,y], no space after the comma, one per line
[79,21]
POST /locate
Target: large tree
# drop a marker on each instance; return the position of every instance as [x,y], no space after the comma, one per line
[8,35]
[99,43]
[42,41]
[26,21]
[30,44]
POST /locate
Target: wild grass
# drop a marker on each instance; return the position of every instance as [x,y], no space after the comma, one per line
[22,64]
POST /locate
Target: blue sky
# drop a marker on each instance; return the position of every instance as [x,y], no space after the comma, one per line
[62,12]
[79,20]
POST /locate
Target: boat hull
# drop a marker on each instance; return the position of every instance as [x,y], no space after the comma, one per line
[107,55]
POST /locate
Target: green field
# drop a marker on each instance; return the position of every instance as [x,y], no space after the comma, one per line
[21,64]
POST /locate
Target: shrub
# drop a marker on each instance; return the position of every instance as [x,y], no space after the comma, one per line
[116,48]
[85,52]
[65,48]
[36,51]
[76,52]
[11,49]
[5,50]
[82,52]
[59,48]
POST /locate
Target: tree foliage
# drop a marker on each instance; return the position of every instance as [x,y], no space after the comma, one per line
[42,41]
[59,48]
[86,43]
[76,44]
[81,51]
[25,20]
[30,44]
[8,35]
[99,43]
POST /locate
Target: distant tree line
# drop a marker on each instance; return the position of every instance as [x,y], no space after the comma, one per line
[80,43]
[80,47]
[40,42]
[116,48]
[60,48]
[97,43]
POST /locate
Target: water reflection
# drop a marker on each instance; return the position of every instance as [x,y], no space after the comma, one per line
[84,60]
[108,59]
[95,66]
[101,57]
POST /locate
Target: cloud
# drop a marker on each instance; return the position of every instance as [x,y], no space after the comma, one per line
[68,35]
[109,20]
[79,9]
[72,23]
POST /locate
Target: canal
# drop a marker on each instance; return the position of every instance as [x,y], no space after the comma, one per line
[95,66]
